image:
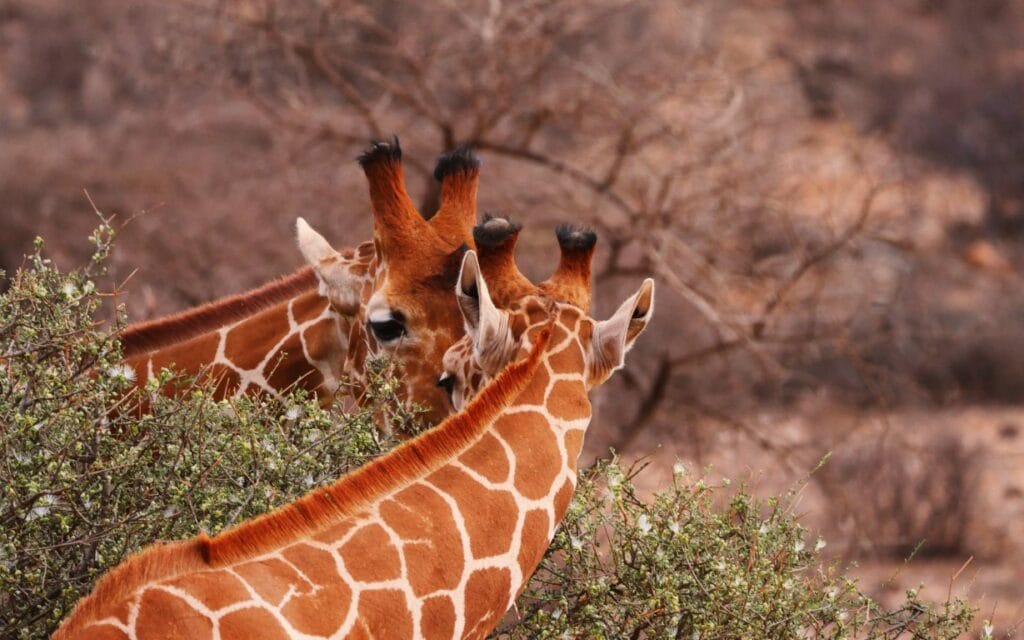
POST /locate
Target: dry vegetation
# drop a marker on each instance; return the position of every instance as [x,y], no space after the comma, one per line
[830,196]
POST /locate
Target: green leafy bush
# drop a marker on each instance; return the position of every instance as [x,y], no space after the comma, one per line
[86,478]
[678,566]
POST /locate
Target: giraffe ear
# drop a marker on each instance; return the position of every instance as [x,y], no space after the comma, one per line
[473,296]
[336,282]
[615,336]
[313,246]
[485,324]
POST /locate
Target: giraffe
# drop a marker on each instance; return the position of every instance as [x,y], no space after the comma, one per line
[316,327]
[432,540]
[469,363]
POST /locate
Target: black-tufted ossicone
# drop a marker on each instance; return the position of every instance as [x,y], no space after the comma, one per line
[381,151]
[460,160]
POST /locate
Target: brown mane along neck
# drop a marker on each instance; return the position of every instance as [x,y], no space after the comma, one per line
[143,337]
[316,510]
[402,465]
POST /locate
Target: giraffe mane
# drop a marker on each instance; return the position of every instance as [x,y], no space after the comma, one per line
[304,517]
[143,337]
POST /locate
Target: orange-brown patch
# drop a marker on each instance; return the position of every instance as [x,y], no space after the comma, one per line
[518,324]
[288,364]
[567,360]
[490,515]
[536,306]
[307,307]
[215,589]
[487,458]
[558,334]
[562,499]
[225,381]
[359,632]
[538,460]
[568,400]
[247,344]
[418,513]
[106,632]
[573,446]
[369,555]
[320,612]
[586,330]
[163,616]
[334,533]
[322,339]
[534,541]
[570,318]
[357,347]
[385,614]
[535,393]
[187,356]
[269,578]
[252,623]
[121,611]
[315,564]
[487,593]
[438,619]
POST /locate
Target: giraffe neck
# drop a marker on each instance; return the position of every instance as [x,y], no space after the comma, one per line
[260,342]
[150,335]
[301,342]
[433,540]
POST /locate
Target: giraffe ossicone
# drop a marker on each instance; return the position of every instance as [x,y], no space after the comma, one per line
[433,540]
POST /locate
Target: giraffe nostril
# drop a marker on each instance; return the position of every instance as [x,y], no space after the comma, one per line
[447,382]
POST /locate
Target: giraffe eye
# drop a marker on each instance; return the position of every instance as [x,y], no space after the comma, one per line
[389,329]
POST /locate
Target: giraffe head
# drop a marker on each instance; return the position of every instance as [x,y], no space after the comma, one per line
[502,311]
[406,310]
